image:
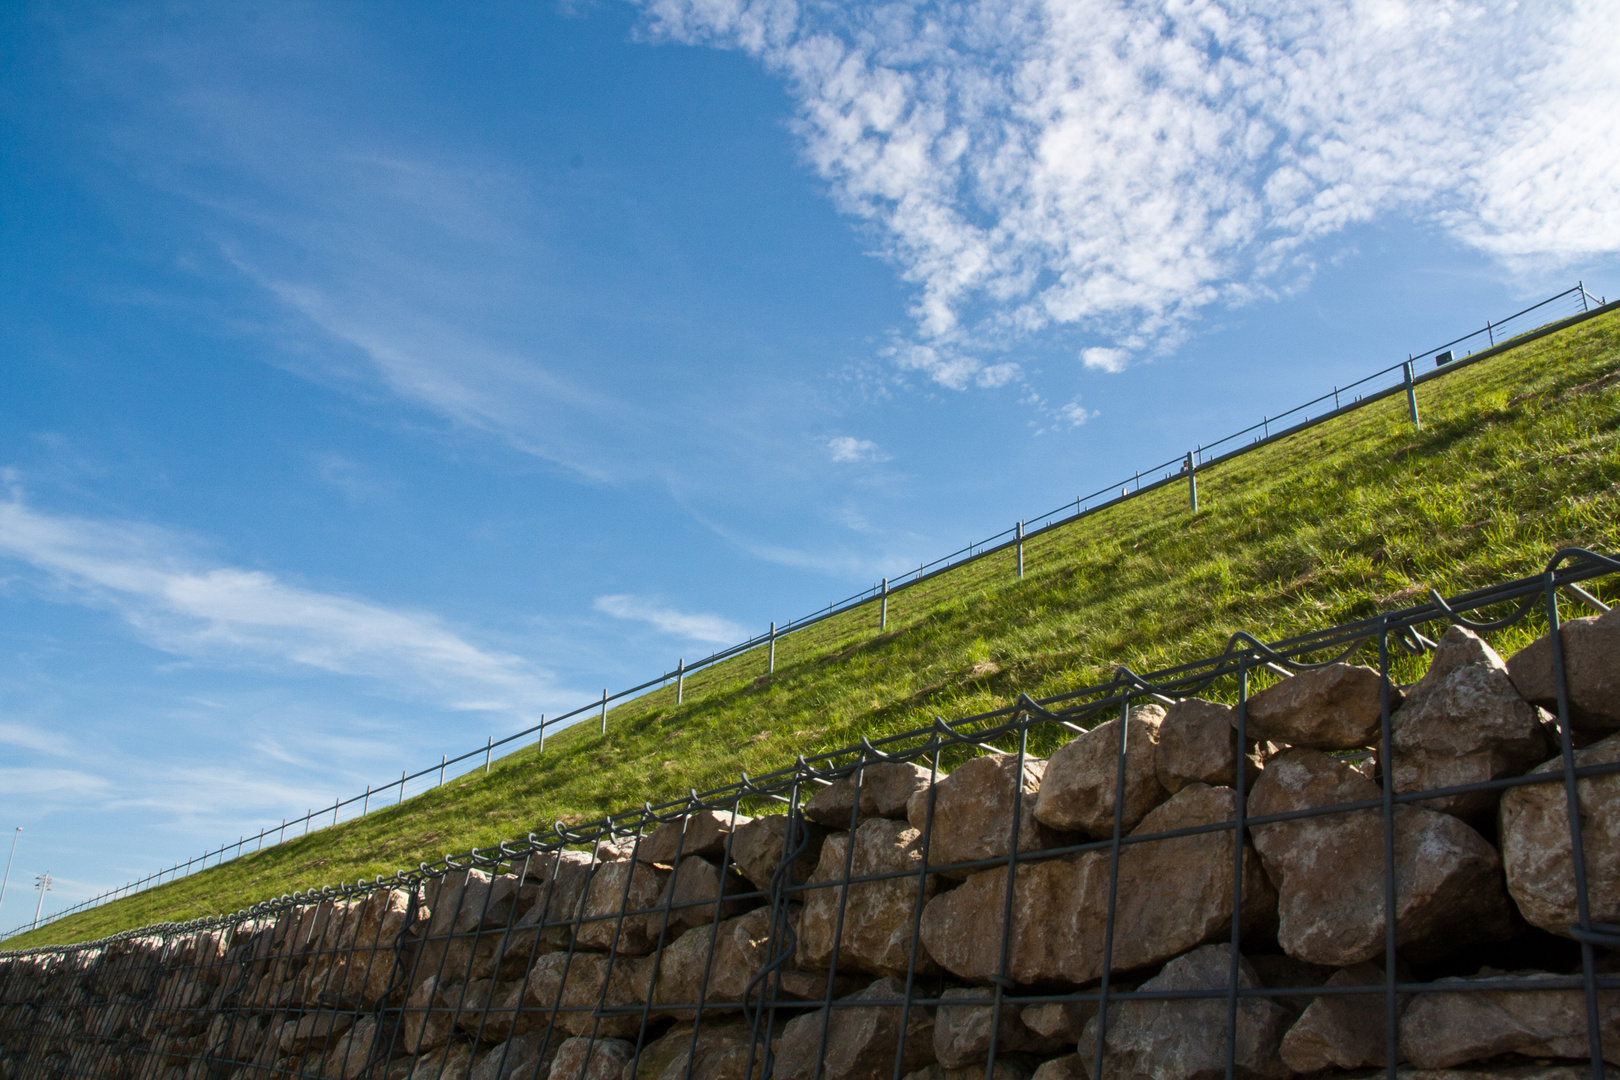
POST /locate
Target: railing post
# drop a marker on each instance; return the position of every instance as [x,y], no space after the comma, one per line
[337,802]
[365,807]
[1020,532]
[402,775]
[680,681]
[308,814]
[1192,482]
[1411,394]
[1581,285]
[541,748]
[489,743]
[1489,332]
[772,669]
[883,608]
[443,759]
[604,710]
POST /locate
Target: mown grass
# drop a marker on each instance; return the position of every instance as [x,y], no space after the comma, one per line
[1517,457]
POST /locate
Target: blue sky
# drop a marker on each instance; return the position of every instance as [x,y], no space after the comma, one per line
[379,377]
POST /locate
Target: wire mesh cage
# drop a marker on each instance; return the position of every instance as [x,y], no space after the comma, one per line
[1371,847]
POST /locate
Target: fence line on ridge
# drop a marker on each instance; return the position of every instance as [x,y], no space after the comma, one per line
[1554,313]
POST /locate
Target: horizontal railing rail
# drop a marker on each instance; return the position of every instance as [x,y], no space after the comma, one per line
[1547,316]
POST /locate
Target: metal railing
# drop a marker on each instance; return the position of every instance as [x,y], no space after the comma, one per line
[526,960]
[1544,317]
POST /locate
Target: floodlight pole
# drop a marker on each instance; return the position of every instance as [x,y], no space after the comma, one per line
[44,887]
[13,855]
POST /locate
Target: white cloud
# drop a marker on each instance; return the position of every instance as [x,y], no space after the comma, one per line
[178,603]
[710,629]
[1099,358]
[1116,168]
[33,739]
[848,449]
[1073,414]
[55,782]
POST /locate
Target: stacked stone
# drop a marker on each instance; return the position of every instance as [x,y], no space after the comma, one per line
[932,924]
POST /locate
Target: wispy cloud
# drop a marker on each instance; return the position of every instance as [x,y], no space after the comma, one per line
[694,626]
[30,738]
[1115,168]
[177,602]
[846,449]
[51,782]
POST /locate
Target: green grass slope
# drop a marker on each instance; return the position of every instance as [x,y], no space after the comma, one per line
[1517,456]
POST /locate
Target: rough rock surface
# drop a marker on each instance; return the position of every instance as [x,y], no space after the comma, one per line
[1004,1070]
[702,832]
[1077,790]
[1464,723]
[449,1062]
[1186,1039]
[1198,744]
[886,787]
[742,948]
[349,1056]
[519,1058]
[582,993]
[1067,1067]
[861,1042]
[592,1059]
[1059,1021]
[1328,708]
[609,894]
[756,848]
[1329,869]
[1440,1030]
[878,915]
[429,1015]
[560,879]
[973,811]
[1173,894]
[696,884]
[723,1050]
[1591,670]
[962,1032]
[1533,827]
[1343,1032]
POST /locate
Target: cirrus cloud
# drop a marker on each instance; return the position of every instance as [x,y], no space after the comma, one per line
[1112,169]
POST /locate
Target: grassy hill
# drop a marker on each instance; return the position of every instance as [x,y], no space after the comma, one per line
[1518,456]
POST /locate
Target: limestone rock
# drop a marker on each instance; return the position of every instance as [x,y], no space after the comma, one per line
[633,888]
[1077,790]
[756,848]
[577,997]
[861,1041]
[878,915]
[523,1057]
[962,1032]
[1004,1070]
[742,949]
[1439,1030]
[1343,1032]
[448,1062]
[583,1058]
[973,811]
[692,890]
[1198,744]
[349,1057]
[1059,1021]
[1533,826]
[1328,708]
[702,832]
[723,1052]
[1186,1039]
[1067,1067]
[561,879]
[430,1014]
[886,788]
[1173,894]
[1329,869]
[1464,723]
[1591,671]
[312,1031]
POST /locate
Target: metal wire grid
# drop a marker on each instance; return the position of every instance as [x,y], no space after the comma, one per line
[197,996]
[1542,317]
